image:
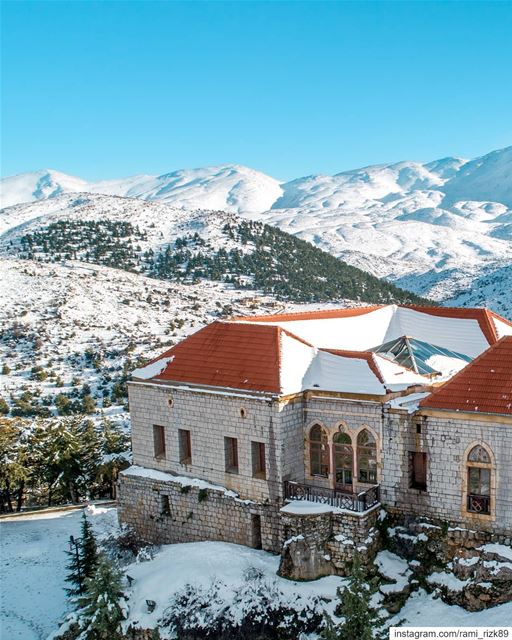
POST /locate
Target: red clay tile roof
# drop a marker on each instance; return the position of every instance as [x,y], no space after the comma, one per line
[483,386]
[361,355]
[310,315]
[223,354]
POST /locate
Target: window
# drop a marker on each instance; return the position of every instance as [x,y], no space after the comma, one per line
[343,459]
[165,506]
[418,470]
[258,460]
[366,457]
[318,452]
[185,446]
[479,468]
[231,454]
[159,441]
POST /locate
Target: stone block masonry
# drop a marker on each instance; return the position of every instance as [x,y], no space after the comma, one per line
[163,510]
[325,542]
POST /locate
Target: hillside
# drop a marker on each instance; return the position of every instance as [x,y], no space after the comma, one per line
[67,325]
[187,246]
[92,285]
[428,226]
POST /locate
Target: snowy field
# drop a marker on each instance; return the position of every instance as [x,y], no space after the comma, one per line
[33,558]
[34,566]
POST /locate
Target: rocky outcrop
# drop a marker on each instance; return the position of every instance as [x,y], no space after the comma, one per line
[465,567]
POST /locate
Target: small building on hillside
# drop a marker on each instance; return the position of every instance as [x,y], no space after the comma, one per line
[291,432]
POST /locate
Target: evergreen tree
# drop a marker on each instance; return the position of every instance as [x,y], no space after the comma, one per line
[101,613]
[360,620]
[88,404]
[75,576]
[4,407]
[116,445]
[83,558]
[90,455]
[13,464]
[88,548]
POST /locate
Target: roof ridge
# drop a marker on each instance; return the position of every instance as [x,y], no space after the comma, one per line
[290,334]
[313,314]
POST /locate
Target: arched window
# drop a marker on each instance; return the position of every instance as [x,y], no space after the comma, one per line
[343,459]
[366,457]
[318,451]
[479,470]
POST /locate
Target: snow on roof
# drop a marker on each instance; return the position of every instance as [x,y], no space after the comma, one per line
[483,386]
[408,403]
[338,373]
[269,359]
[324,350]
[152,369]
[466,331]
[503,327]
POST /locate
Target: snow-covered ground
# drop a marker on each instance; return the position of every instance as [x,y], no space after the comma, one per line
[51,314]
[34,566]
[435,228]
[33,557]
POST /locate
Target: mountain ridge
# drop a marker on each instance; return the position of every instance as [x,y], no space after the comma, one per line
[428,226]
[445,169]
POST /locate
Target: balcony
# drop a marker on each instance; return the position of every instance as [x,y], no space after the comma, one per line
[356,502]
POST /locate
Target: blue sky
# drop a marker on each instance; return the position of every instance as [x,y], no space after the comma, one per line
[109,89]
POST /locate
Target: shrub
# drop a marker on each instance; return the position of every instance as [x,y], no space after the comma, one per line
[4,407]
[256,609]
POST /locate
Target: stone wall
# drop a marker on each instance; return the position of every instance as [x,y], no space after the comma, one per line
[163,511]
[210,417]
[446,442]
[351,534]
[325,543]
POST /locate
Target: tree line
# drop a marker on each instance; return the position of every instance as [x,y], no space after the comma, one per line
[266,259]
[57,461]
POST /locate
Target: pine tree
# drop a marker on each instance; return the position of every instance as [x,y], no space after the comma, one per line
[101,613]
[83,558]
[75,575]
[360,618]
[88,548]
[89,455]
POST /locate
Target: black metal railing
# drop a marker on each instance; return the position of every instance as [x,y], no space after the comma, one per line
[479,504]
[357,502]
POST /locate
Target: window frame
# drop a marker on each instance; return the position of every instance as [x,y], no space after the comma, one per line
[479,504]
[366,452]
[185,446]
[231,459]
[259,460]
[159,446]
[414,483]
[319,454]
[343,449]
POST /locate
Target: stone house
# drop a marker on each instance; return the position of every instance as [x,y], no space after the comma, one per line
[290,432]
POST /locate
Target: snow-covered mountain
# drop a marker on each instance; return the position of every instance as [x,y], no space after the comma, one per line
[436,228]
[232,188]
